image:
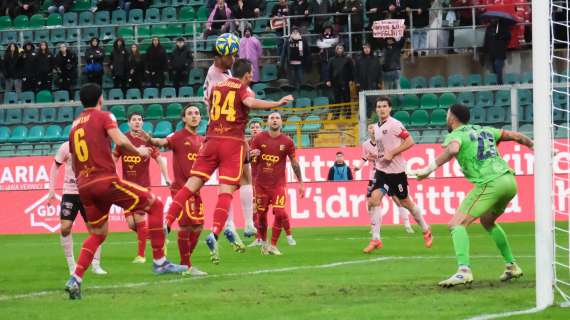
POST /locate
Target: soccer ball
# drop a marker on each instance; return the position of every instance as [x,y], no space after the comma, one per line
[227,44]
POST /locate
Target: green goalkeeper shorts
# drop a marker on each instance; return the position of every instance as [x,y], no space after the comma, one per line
[493,197]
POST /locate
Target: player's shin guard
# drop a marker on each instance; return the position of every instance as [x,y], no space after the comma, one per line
[261,224]
[280,215]
[221,212]
[461,245]
[246,198]
[178,203]
[155,229]
[90,245]
[500,238]
[184,247]
[142,235]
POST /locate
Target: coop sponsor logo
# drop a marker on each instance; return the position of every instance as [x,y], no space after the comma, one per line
[43,215]
[23,177]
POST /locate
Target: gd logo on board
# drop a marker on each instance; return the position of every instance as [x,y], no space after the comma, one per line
[42,215]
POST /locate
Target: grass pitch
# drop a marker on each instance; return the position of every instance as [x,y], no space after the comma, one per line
[324,276]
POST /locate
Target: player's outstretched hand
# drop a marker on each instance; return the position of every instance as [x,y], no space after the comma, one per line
[285,100]
[144,152]
[419,174]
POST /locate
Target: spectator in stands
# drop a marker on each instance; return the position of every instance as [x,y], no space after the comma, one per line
[44,62]
[497,37]
[300,8]
[219,20]
[139,4]
[66,68]
[391,65]
[12,68]
[29,67]
[393,9]
[23,7]
[295,54]
[180,63]
[94,56]
[245,10]
[464,16]
[119,65]
[368,72]
[156,63]
[341,73]
[320,7]
[136,68]
[340,170]
[61,6]
[355,8]
[250,48]
[279,24]
[420,17]
[326,43]
[106,5]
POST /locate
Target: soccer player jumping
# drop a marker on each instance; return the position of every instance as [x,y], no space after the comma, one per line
[270,150]
[224,147]
[475,148]
[100,187]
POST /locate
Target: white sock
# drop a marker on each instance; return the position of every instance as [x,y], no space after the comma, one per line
[417,214]
[246,197]
[97,257]
[375,221]
[404,216]
[230,220]
[159,261]
[290,237]
[67,244]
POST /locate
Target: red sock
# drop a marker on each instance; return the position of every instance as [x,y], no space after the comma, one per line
[142,235]
[194,237]
[221,212]
[178,204]
[276,230]
[184,247]
[155,230]
[90,245]
[261,225]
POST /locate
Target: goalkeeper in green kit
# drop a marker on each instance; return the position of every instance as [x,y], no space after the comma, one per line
[475,148]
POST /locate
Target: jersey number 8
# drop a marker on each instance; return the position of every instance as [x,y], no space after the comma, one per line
[227,108]
[80,145]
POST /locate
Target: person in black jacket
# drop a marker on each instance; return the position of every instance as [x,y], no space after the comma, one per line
[300,8]
[392,65]
[420,16]
[107,5]
[341,73]
[139,4]
[94,57]
[136,68]
[65,66]
[326,43]
[368,73]
[23,7]
[119,64]
[180,63]
[29,67]
[156,63]
[295,54]
[497,37]
[44,62]
[248,9]
[12,67]
[320,7]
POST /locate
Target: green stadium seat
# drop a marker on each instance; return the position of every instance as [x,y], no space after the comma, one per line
[202,13]
[151,93]
[527,129]
[437,82]
[305,141]
[48,115]
[173,111]
[187,13]
[13,116]
[160,3]
[466,98]
[474,80]
[430,136]
[159,30]
[438,117]
[185,92]
[53,133]
[72,35]
[124,127]
[321,101]
[102,17]
[10,97]
[410,102]
[484,98]
[260,26]
[135,108]
[168,93]
[65,114]
[405,83]
[428,101]
[107,33]
[36,133]
[136,16]
[61,96]
[203,110]
[179,125]
[502,98]
[86,18]
[119,17]
[27,97]
[154,112]
[28,36]
[268,73]
[4,134]
[44,96]
[196,76]
[126,33]
[496,115]
[418,82]
[163,129]
[37,21]
[81,5]
[526,113]
[9,37]
[31,115]
[115,94]
[490,79]
[144,32]
[21,22]
[41,35]
[511,78]
[168,14]
[200,92]
[403,117]
[5,23]
[119,112]
[524,97]
[259,89]
[196,2]
[174,30]
[152,15]
[269,43]
[70,19]
[291,125]
[18,134]
[303,103]
[57,35]
[25,150]
[478,115]
[447,99]
[419,118]
[148,127]
[456,80]
[88,33]
[312,127]
[54,19]
[133,94]
[202,127]
[2,116]
[526,77]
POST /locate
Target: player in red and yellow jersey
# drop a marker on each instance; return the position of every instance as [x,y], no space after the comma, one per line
[270,150]
[224,148]
[100,187]
[185,145]
[137,169]
[255,129]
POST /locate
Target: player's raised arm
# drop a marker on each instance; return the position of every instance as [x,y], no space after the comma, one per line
[254,103]
[123,142]
[518,137]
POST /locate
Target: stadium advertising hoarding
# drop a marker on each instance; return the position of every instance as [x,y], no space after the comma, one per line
[24,183]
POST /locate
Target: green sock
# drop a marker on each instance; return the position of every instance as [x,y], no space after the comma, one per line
[461,245]
[500,237]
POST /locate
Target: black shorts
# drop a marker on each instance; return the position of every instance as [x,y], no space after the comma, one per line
[392,184]
[70,206]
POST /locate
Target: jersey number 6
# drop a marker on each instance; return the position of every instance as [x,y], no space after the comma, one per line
[80,145]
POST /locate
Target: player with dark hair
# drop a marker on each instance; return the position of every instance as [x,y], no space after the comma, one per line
[100,187]
[475,148]
[255,129]
[224,148]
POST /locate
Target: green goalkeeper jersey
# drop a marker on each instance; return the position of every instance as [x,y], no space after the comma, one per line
[478,156]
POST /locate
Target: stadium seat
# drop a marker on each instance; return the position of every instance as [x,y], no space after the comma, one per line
[119,112]
[160,3]
[18,134]
[202,127]
[524,97]
[490,79]
[124,127]
[185,92]
[474,80]
[151,93]
[162,129]
[173,111]
[126,33]
[148,126]
[168,14]
[526,113]
[438,117]
[53,133]
[107,33]
[28,36]
[168,93]
[502,98]
[484,99]
[9,37]
[21,22]
[410,102]
[312,127]
[5,23]
[27,97]
[81,5]
[2,116]
[268,73]
[447,99]
[4,134]
[416,135]
[35,134]
[136,16]
[13,116]
[25,150]
[72,35]
[115,94]
[418,82]
[196,76]
[437,82]
[37,21]
[154,112]
[526,77]
[48,115]
[202,13]
[478,115]
[200,92]
[54,19]
[303,103]
[152,15]
[180,125]
[269,43]
[144,32]
[86,18]
[259,89]
[31,115]
[403,117]
[430,136]
[61,96]
[322,103]
[405,83]
[511,78]
[305,141]
[119,17]
[428,101]
[496,115]
[10,97]
[159,30]
[135,108]
[419,118]
[133,94]
[186,13]
[456,80]
[41,35]
[57,35]
[102,17]
[291,125]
